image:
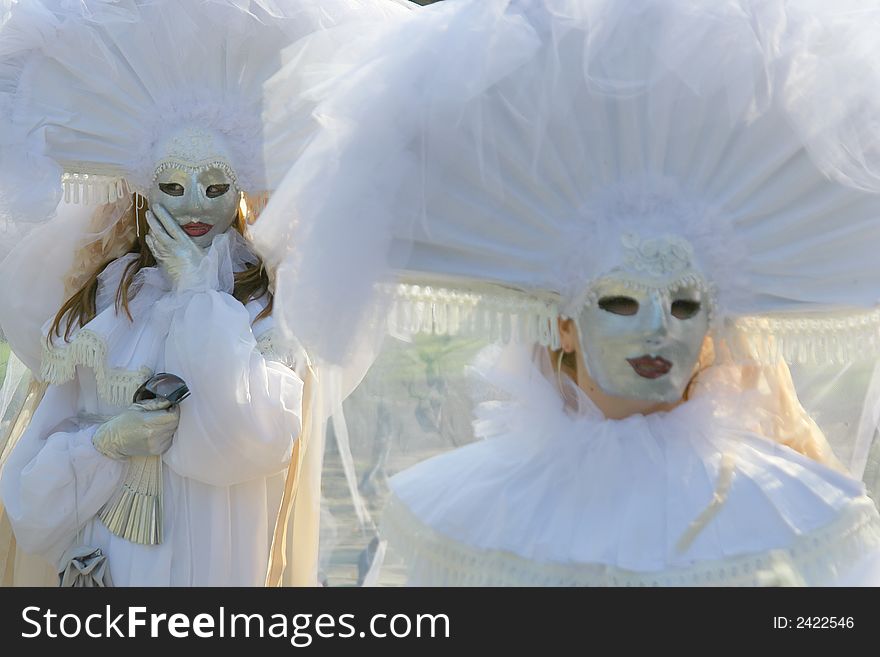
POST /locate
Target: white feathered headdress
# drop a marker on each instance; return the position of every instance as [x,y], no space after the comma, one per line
[98,91]
[97,95]
[522,150]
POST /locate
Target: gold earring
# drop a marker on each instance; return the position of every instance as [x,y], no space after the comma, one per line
[559,373]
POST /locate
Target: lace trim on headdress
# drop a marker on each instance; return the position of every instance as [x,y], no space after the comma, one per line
[101,186]
[814,559]
[92,189]
[838,339]
[511,316]
[495,314]
[88,349]
[653,232]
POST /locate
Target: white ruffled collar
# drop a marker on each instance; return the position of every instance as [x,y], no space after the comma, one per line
[650,493]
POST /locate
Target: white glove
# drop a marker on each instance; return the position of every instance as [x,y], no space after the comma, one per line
[144,429]
[173,248]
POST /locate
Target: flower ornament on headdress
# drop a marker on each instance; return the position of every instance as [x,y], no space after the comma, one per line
[651,235]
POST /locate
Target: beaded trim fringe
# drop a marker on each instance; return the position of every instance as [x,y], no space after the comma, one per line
[501,315]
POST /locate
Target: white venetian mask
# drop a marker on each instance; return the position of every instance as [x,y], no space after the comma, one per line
[642,332]
[196,184]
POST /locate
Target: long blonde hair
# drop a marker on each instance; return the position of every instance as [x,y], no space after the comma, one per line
[79,308]
[777,412]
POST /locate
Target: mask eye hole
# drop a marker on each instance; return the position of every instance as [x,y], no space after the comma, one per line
[619,305]
[685,308]
[213,191]
[172,189]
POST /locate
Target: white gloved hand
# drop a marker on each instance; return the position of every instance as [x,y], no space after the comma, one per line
[173,248]
[143,429]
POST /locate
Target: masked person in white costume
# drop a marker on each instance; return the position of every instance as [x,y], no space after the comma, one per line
[151,111]
[656,205]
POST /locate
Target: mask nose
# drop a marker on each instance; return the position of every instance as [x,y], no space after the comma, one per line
[656,319]
[190,206]
[200,198]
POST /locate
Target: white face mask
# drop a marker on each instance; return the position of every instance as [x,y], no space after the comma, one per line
[204,202]
[643,344]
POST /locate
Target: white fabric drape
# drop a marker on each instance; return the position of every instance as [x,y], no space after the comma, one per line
[225,471]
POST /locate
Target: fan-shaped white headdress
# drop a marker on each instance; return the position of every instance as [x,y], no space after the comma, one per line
[103,92]
[558,142]
[100,91]
[97,96]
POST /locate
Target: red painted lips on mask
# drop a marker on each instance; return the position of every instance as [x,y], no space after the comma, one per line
[650,367]
[197,228]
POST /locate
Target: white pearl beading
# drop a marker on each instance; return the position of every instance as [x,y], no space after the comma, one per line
[690,279]
[196,167]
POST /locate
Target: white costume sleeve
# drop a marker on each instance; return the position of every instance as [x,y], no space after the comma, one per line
[243,415]
[33,287]
[55,481]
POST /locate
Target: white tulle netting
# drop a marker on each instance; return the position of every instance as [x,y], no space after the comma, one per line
[517,144]
[482,166]
[844,401]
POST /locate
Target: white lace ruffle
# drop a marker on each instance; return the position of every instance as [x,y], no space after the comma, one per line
[815,559]
[117,386]
[88,349]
